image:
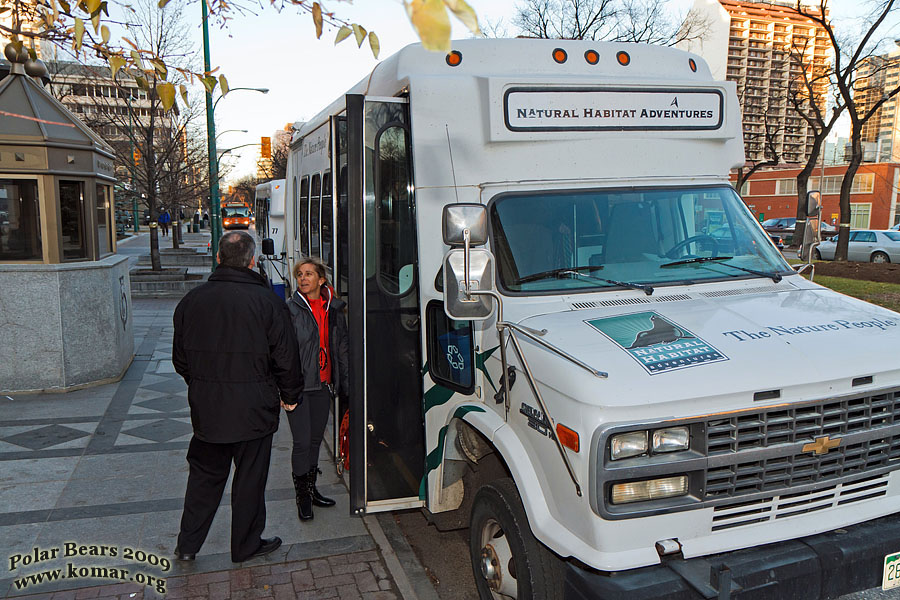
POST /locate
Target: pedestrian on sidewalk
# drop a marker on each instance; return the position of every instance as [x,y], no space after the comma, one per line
[235,347]
[164,219]
[321,331]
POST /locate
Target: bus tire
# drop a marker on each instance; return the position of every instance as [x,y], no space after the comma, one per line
[507,560]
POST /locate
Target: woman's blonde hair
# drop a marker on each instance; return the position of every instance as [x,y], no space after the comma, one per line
[317,264]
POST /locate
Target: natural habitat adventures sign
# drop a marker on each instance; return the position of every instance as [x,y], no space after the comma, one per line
[657,343]
[527,109]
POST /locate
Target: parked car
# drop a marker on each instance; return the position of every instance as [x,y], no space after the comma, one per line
[784,227]
[865,246]
[723,238]
[895,227]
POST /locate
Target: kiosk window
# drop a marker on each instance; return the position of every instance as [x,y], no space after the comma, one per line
[20,220]
[72,219]
[451,350]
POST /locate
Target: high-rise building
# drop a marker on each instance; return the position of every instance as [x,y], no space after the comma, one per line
[763,47]
[878,75]
[25,15]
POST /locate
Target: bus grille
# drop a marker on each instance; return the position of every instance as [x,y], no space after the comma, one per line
[761,452]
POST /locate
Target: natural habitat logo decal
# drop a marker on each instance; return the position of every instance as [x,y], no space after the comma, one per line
[657,343]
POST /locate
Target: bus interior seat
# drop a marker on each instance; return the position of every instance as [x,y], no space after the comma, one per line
[631,236]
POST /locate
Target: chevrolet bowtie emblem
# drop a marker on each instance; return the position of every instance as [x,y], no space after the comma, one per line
[822,445]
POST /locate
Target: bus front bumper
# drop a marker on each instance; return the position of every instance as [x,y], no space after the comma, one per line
[817,567]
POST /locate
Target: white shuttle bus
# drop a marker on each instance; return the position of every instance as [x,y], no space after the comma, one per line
[568,332]
[269,211]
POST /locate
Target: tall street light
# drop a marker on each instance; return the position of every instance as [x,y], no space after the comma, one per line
[215,210]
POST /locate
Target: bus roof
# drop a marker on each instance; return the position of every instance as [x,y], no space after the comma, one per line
[616,62]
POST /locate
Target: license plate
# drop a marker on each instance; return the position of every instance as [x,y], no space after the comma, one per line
[891,578]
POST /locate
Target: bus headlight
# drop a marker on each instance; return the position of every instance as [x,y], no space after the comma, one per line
[671,440]
[651,489]
[626,445]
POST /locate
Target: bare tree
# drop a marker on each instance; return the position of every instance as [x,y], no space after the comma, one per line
[806,93]
[159,150]
[851,55]
[645,21]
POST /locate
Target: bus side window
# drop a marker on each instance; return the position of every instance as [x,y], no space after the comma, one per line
[303,216]
[343,234]
[327,218]
[315,194]
[296,208]
[451,350]
[395,227]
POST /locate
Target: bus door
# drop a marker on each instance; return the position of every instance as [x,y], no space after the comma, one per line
[387,441]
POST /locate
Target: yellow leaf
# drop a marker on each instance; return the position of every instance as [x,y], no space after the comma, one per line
[429,19]
[160,67]
[92,6]
[104,33]
[79,34]
[95,21]
[342,34]
[116,63]
[129,42]
[142,83]
[223,84]
[360,32]
[209,83]
[374,44]
[137,59]
[317,18]
[166,93]
[184,94]
[465,14]
[162,3]
[55,10]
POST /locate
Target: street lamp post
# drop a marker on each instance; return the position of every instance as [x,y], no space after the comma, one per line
[215,216]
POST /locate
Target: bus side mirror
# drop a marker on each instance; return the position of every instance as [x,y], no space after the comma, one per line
[467,269]
[268,247]
[458,218]
[459,303]
[813,203]
[812,234]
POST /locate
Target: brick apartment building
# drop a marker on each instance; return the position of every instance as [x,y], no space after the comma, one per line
[873,200]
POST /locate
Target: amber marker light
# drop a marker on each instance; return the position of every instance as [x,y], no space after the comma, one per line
[623,58]
[567,437]
[592,57]
[454,58]
[693,65]
[560,56]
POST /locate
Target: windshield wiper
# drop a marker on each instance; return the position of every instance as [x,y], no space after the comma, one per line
[575,271]
[776,277]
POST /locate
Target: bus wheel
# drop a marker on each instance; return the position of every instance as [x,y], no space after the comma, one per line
[507,561]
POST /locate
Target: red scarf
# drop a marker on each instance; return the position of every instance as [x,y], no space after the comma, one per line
[320,314]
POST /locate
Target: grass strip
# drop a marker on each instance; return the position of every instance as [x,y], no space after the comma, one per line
[882,294]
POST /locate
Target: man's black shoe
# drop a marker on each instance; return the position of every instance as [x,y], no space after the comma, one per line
[266,547]
[179,555]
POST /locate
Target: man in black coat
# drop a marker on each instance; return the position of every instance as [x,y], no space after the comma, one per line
[235,347]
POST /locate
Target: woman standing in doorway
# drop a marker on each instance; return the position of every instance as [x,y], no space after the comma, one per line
[321,332]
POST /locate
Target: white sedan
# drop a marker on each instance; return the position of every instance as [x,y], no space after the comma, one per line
[865,246]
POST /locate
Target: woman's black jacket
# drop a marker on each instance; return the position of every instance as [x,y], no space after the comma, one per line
[235,347]
[306,331]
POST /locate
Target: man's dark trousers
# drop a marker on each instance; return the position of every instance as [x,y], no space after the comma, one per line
[209,468]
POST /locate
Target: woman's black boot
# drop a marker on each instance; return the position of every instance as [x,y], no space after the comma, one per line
[317,498]
[304,498]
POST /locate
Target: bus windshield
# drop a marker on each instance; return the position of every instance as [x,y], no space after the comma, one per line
[579,240]
[235,211]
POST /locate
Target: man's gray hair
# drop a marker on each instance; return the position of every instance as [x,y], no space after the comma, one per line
[236,249]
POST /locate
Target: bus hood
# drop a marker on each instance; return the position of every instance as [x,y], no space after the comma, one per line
[700,347]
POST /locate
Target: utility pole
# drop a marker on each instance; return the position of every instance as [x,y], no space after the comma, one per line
[214,211]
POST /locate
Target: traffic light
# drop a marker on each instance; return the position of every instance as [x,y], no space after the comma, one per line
[265,147]
[136,155]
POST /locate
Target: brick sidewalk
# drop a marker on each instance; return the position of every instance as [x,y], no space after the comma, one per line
[355,576]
